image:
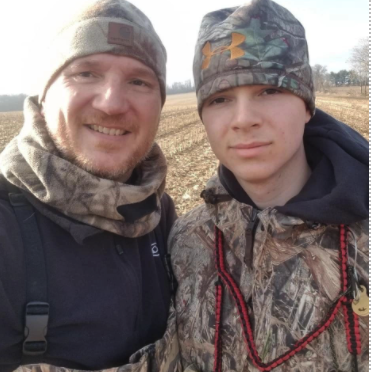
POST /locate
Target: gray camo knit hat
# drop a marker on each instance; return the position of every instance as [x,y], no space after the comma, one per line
[257,43]
[105,26]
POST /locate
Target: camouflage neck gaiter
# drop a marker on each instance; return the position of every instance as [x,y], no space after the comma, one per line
[32,163]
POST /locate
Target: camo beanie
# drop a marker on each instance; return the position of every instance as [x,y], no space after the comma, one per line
[257,43]
[105,26]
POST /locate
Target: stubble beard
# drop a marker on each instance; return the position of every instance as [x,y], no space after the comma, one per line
[63,142]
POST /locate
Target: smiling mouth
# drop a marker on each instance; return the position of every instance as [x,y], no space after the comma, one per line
[108,131]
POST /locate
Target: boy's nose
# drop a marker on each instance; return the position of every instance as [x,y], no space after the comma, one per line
[246,115]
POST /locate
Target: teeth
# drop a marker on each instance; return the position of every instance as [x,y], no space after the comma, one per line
[111,132]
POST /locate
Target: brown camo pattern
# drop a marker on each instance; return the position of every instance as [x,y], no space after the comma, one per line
[32,163]
[162,356]
[290,278]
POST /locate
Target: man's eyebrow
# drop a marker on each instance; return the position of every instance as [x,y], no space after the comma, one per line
[143,72]
[84,64]
[91,64]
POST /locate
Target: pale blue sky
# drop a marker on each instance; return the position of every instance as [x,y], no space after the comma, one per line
[333,27]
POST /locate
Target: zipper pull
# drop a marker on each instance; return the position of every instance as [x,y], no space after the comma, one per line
[253,219]
[353,282]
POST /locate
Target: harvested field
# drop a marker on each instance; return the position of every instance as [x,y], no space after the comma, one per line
[182,138]
[350,110]
[10,125]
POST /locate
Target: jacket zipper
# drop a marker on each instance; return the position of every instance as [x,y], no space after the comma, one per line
[252,226]
[250,235]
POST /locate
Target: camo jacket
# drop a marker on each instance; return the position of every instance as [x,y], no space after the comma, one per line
[289,276]
[162,356]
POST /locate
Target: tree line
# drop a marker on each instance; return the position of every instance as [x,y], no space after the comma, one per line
[185,87]
[358,75]
[12,102]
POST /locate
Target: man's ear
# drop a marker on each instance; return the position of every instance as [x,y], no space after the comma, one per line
[308,116]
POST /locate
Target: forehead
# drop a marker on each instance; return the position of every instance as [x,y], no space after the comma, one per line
[106,61]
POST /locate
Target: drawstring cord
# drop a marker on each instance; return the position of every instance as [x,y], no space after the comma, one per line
[344,299]
[218,339]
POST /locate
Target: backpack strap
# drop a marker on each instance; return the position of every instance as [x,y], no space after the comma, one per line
[161,235]
[37,307]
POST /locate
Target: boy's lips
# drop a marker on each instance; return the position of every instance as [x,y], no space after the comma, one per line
[252,145]
[250,150]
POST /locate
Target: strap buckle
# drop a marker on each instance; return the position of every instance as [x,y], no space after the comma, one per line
[17,199]
[37,316]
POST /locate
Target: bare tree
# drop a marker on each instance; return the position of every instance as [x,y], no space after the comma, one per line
[320,77]
[360,62]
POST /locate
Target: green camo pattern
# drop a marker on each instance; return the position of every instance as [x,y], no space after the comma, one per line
[274,51]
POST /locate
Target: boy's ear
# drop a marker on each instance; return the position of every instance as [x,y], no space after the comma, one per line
[308,116]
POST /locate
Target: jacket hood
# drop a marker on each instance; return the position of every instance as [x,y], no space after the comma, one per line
[337,190]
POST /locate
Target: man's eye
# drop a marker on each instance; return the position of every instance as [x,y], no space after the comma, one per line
[85,74]
[139,83]
[271,91]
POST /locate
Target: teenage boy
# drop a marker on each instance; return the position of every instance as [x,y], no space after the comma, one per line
[272,270]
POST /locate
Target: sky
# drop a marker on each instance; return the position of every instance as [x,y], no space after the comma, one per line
[333,28]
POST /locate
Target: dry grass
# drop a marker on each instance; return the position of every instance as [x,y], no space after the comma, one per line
[10,125]
[352,111]
[182,138]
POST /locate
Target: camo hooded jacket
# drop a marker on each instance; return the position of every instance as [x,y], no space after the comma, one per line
[287,269]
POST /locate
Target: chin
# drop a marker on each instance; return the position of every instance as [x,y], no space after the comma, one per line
[114,173]
[103,169]
[251,176]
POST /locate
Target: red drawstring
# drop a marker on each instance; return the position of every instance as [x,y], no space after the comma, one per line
[351,319]
[217,339]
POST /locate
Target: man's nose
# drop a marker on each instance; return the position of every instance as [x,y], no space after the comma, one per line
[111,98]
[246,115]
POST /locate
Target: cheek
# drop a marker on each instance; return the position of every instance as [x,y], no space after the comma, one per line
[214,137]
[291,138]
[152,121]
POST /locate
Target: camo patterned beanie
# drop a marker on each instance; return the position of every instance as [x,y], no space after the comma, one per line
[105,26]
[257,43]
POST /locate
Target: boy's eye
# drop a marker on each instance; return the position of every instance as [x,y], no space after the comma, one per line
[217,100]
[139,83]
[271,91]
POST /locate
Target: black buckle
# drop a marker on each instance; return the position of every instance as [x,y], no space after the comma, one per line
[37,316]
[17,199]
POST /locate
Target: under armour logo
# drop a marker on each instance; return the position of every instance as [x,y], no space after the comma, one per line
[236,40]
[154,250]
